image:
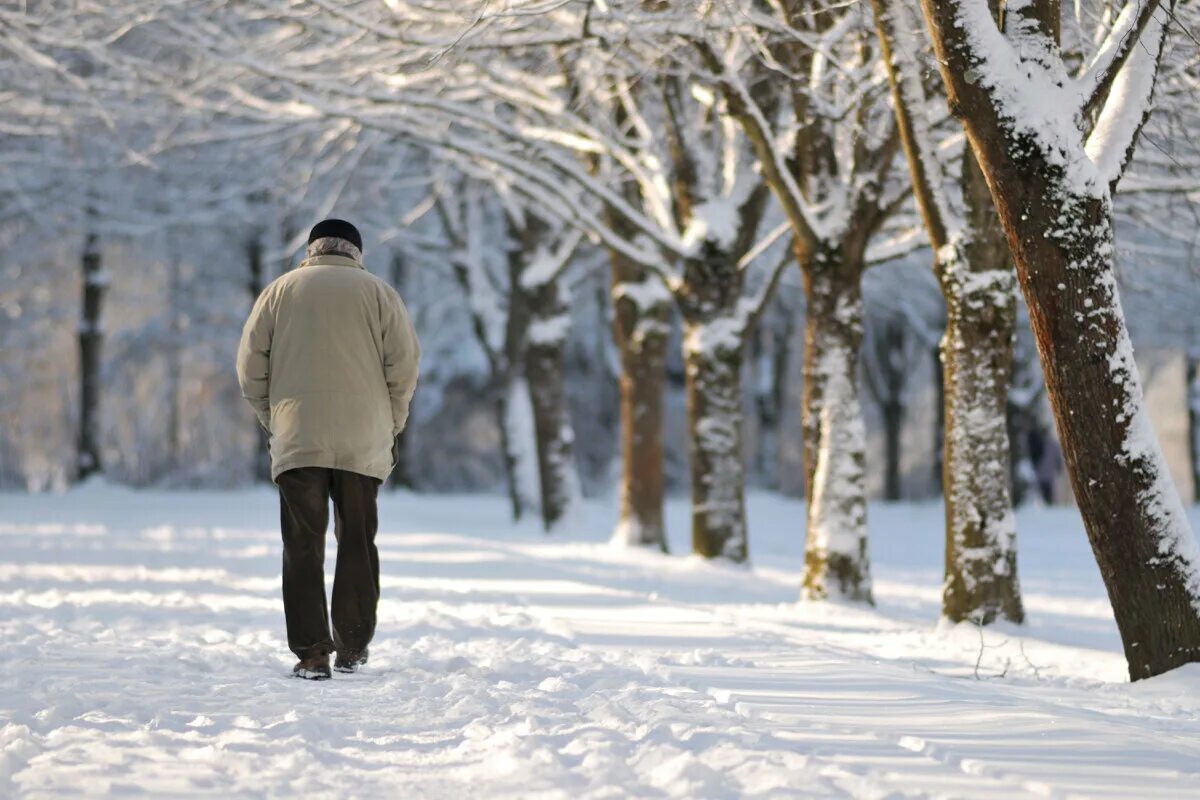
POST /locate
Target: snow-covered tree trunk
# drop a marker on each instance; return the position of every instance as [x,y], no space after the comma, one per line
[91,338]
[1054,200]
[547,337]
[836,563]
[514,419]
[981,557]
[712,352]
[978,284]
[972,265]
[641,305]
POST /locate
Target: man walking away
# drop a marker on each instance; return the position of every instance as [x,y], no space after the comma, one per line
[328,360]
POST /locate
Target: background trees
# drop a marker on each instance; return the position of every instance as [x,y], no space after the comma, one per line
[594,209]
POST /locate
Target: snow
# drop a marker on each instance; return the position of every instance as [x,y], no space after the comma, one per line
[146,657]
[550,330]
[715,220]
[1129,99]
[1031,89]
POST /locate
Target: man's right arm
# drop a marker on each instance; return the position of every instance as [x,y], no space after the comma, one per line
[254,359]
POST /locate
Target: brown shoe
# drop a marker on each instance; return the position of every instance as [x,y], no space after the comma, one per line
[350,660]
[315,668]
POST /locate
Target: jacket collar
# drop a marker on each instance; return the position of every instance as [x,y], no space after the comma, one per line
[331,259]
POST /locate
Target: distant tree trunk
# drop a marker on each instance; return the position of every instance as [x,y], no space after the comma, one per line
[255,282]
[175,365]
[939,422]
[836,561]
[1024,431]
[886,369]
[558,477]
[91,338]
[1193,407]
[640,313]
[1061,236]
[712,353]
[893,421]
[401,477]
[514,417]
[513,400]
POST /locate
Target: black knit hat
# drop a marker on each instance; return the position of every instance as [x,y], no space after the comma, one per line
[338,228]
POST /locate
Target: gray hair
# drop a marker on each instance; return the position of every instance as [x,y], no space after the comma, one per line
[333,246]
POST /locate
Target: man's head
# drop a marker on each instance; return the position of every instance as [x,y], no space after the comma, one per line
[334,237]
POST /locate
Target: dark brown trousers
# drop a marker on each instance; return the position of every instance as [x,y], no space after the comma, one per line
[304,496]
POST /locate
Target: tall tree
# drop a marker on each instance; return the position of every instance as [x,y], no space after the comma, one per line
[973,268]
[1052,148]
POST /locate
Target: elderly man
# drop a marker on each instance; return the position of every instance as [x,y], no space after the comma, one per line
[328,360]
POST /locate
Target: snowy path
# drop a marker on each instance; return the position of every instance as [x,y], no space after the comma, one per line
[145,634]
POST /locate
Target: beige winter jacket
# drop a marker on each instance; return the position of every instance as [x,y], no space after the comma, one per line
[328,359]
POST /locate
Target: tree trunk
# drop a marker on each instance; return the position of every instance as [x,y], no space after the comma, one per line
[981,557]
[835,560]
[939,423]
[91,338]
[514,418]
[1060,232]
[1132,514]
[893,421]
[1021,418]
[175,366]
[401,477]
[1193,407]
[640,313]
[713,363]
[557,476]
[255,282]
[977,353]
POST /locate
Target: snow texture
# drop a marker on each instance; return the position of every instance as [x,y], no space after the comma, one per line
[146,658]
[1118,123]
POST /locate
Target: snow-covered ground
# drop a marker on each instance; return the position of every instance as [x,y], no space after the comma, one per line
[145,656]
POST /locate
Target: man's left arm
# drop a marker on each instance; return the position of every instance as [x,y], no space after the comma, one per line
[401,358]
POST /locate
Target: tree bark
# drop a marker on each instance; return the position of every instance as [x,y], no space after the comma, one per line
[401,477]
[714,400]
[939,423]
[175,365]
[1060,232]
[893,422]
[557,476]
[972,265]
[1193,407]
[91,339]
[977,352]
[713,339]
[640,313]
[255,282]
[836,562]
[981,557]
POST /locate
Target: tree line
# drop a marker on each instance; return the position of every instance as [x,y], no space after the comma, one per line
[699,152]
